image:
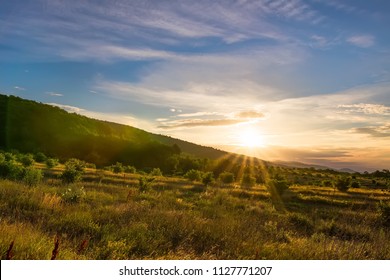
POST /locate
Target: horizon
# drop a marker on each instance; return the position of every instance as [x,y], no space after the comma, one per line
[290,80]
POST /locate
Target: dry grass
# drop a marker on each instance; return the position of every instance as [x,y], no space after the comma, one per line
[176,219]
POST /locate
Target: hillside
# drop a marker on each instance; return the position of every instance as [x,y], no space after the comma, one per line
[29,126]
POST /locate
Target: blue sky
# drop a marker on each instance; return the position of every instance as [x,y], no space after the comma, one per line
[308,80]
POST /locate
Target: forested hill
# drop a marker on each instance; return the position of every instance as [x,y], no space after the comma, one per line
[29,126]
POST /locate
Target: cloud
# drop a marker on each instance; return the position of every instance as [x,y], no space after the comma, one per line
[369,109]
[19,88]
[374,131]
[229,119]
[188,123]
[112,117]
[362,41]
[54,94]
[250,115]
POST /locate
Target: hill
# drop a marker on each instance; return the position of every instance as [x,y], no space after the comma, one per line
[29,126]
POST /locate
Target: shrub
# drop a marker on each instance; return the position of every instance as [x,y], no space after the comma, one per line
[193,175]
[27,160]
[9,157]
[384,211]
[51,162]
[73,171]
[76,164]
[226,177]
[207,178]
[117,168]
[73,195]
[278,185]
[2,158]
[32,176]
[11,170]
[155,172]
[70,176]
[40,157]
[355,184]
[342,183]
[130,169]
[327,183]
[248,180]
[144,183]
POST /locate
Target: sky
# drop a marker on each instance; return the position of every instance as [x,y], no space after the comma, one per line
[293,80]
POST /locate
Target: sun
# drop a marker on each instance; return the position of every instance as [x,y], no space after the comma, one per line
[251,138]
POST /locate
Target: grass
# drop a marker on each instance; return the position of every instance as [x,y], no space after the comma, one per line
[179,219]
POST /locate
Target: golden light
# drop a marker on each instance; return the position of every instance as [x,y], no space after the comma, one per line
[251,138]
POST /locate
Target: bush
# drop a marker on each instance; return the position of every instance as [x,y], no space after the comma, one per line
[278,185]
[342,183]
[155,172]
[11,170]
[130,169]
[355,184]
[144,183]
[51,162]
[73,171]
[75,164]
[384,211]
[9,157]
[73,195]
[327,183]
[117,168]
[248,180]
[193,175]
[2,158]
[207,178]
[32,176]
[226,177]
[27,160]
[40,157]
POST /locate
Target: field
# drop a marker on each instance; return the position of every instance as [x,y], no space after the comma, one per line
[119,216]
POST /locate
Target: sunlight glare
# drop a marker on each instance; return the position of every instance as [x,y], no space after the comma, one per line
[251,138]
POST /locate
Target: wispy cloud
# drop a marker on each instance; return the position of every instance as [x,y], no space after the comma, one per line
[374,131]
[19,88]
[112,117]
[362,41]
[369,109]
[220,119]
[51,93]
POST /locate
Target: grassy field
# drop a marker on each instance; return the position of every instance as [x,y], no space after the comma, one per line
[106,216]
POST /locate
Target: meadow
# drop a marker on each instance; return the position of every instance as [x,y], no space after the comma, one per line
[108,215]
